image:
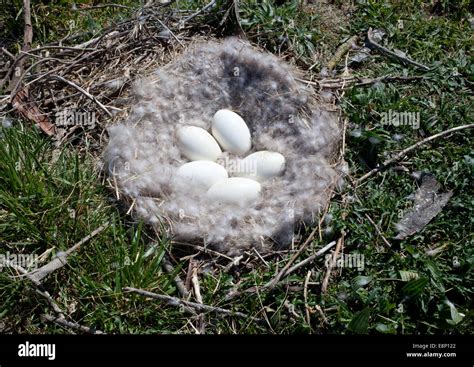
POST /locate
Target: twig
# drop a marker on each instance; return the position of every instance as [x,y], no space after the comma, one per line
[197,295]
[87,94]
[39,288]
[54,47]
[377,229]
[179,302]
[71,325]
[346,82]
[187,19]
[16,87]
[272,283]
[284,274]
[27,39]
[305,296]
[100,6]
[341,51]
[60,260]
[405,151]
[60,319]
[310,258]
[397,78]
[324,285]
[6,52]
[171,32]
[386,51]
[204,250]
[233,7]
[321,313]
[179,283]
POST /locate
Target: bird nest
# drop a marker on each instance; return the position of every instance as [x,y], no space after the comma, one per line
[74,92]
[283,116]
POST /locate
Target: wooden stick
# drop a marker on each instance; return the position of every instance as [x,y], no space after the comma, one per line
[405,151]
[27,39]
[341,51]
[187,19]
[387,52]
[198,296]
[177,280]
[6,52]
[179,302]
[61,260]
[377,229]
[39,288]
[310,258]
[305,296]
[282,274]
[324,286]
[101,6]
[87,94]
[71,325]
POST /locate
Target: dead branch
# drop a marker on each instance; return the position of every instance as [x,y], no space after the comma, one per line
[61,259]
[377,229]
[305,297]
[173,301]
[271,284]
[179,283]
[346,82]
[405,151]
[341,51]
[325,283]
[389,53]
[310,258]
[84,92]
[27,39]
[198,296]
[39,288]
[202,10]
[285,272]
[70,325]
[6,52]
[102,6]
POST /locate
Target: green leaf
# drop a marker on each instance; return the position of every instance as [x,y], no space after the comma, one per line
[456,317]
[386,329]
[360,322]
[406,276]
[360,281]
[415,287]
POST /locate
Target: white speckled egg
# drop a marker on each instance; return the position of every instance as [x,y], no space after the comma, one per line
[235,190]
[201,174]
[261,165]
[231,131]
[197,144]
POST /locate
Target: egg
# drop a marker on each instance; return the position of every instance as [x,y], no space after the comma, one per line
[201,174]
[231,131]
[234,190]
[197,144]
[261,165]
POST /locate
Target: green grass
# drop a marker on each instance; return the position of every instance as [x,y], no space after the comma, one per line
[57,19]
[50,199]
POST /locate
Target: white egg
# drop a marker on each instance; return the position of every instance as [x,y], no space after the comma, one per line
[197,144]
[231,131]
[261,165]
[201,174]
[235,190]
